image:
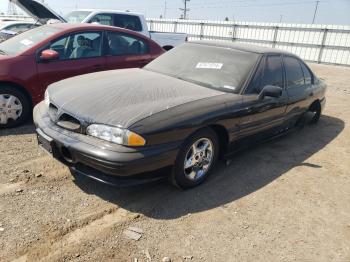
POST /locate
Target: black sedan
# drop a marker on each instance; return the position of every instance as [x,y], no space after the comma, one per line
[187,108]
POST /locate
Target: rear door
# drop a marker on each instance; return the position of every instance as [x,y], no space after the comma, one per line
[126,51]
[80,53]
[299,87]
[262,114]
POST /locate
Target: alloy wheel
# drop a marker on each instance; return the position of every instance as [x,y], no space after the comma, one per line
[198,159]
[10,108]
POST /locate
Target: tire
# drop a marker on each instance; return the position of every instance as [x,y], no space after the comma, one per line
[167,48]
[185,178]
[315,108]
[19,110]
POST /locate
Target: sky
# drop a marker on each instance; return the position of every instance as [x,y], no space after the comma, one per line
[289,11]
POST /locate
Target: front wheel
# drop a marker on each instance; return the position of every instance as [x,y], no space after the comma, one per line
[196,159]
[14,107]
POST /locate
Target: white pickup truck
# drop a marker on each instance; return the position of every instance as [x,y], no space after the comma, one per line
[132,21]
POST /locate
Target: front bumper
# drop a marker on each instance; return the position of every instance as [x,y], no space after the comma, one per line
[103,161]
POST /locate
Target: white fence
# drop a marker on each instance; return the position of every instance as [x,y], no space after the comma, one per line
[316,43]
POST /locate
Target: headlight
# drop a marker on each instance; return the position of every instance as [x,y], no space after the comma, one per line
[115,135]
[47,98]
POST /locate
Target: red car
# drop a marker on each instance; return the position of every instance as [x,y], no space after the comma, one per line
[31,61]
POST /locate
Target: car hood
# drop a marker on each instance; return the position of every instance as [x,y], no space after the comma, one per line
[123,97]
[38,10]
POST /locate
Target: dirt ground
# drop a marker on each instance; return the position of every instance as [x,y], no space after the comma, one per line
[286,200]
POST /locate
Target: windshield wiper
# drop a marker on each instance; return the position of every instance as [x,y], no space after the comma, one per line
[3,52]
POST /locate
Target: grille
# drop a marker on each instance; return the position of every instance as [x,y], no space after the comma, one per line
[69,122]
[64,120]
[53,113]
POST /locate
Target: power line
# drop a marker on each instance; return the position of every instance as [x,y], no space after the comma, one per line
[216,6]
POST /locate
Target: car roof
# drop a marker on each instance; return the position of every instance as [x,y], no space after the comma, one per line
[67,26]
[85,26]
[110,11]
[243,47]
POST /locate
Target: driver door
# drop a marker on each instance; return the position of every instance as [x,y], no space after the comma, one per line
[80,53]
[260,114]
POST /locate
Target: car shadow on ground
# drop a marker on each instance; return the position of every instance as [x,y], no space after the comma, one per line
[27,128]
[249,171]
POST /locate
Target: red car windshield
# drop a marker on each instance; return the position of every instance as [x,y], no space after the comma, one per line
[26,40]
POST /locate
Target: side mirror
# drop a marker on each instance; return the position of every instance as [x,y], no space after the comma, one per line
[49,55]
[272,91]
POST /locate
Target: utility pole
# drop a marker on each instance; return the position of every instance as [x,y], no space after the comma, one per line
[313,20]
[185,10]
[11,9]
[165,9]
[281,17]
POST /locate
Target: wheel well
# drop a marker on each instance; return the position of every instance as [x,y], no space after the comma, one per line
[168,47]
[315,105]
[20,88]
[223,137]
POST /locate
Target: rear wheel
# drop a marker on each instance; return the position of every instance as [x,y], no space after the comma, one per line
[315,108]
[14,107]
[196,159]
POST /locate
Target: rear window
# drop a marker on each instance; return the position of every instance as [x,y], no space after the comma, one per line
[130,22]
[76,16]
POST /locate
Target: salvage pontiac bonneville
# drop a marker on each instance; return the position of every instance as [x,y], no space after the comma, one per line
[195,103]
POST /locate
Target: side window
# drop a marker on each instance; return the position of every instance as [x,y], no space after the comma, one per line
[307,74]
[269,72]
[294,73]
[255,84]
[124,44]
[103,19]
[76,46]
[130,22]
[273,73]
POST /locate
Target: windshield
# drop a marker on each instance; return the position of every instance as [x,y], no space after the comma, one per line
[215,67]
[76,16]
[26,40]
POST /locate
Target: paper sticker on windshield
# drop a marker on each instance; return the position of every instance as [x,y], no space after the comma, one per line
[26,42]
[216,66]
[229,87]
